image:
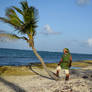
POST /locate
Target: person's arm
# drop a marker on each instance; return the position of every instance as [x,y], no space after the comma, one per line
[70,61]
[60,61]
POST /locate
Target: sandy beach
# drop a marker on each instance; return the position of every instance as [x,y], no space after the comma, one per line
[39,36]
[37,80]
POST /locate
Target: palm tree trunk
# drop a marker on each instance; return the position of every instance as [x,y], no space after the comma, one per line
[51,74]
[31,43]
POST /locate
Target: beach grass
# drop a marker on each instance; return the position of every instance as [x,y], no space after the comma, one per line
[15,70]
[84,63]
[25,70]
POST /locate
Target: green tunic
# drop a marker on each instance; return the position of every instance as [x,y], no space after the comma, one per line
[65,61]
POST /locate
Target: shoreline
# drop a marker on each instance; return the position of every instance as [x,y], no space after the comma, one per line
[24,69]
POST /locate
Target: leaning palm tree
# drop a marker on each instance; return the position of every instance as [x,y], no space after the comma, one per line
[26,26]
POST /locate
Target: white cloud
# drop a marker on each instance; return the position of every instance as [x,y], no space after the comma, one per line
[47,30]
[81,2]
[89,41]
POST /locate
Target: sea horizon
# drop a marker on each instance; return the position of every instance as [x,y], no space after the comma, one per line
[44,51]
[24,57]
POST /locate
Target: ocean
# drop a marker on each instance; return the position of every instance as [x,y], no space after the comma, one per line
[16,57]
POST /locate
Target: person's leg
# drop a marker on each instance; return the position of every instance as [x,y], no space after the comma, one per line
[67,74]
[58,70]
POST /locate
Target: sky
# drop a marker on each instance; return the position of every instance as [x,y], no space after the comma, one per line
[62,24]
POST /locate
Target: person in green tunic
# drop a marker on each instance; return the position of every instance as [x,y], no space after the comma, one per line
[65,63]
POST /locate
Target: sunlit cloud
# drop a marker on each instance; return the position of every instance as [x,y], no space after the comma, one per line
[89,41]
[82,2]
[47,30]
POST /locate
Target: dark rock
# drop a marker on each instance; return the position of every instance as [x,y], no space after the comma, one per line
[85,77]
[91,76]
[56,90]
[90,89]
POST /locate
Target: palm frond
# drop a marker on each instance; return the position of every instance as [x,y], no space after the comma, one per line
[18,10]
[30,15]
[11,14]
[11,22]
[11,36]
[34,12]
[24,5]
[30,18]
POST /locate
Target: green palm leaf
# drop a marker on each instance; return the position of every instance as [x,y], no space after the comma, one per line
[18,10]
[11,22]
[30,18]
[11,36]
[11,14]
[24,5]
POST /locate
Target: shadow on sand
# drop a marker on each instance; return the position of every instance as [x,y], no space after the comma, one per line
[30,67]
[11,85]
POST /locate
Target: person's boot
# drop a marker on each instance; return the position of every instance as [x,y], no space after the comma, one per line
[67,77]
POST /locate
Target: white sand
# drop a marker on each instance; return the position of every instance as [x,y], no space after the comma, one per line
[36,83]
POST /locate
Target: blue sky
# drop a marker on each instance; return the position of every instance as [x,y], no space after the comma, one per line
[62,23]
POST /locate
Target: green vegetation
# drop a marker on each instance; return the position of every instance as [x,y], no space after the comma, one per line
[82,63]
[15,70]
[25,70]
